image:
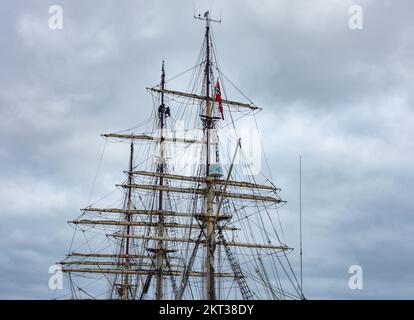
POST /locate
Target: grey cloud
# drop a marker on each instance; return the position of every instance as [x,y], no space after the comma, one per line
[343,99]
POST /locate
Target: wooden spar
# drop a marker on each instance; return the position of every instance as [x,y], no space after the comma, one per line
[142,224]
[243,184]
[169,176]
[141,272]
[165,188]
[109,255]
[133,211]
[152,212]
[202,191]
[230,243]
[110,263]
[204,98]
[146,137]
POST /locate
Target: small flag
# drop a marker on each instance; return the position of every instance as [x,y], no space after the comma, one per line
[218,99]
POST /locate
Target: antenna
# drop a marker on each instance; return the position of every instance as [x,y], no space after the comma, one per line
[300,225]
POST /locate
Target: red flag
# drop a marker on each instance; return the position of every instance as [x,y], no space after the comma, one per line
[218,99]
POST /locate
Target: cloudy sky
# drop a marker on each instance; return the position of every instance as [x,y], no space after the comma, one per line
[341,98]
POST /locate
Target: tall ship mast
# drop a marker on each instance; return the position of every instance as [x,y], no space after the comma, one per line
[196,218]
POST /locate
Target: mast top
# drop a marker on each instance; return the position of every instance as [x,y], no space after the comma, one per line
[207,18]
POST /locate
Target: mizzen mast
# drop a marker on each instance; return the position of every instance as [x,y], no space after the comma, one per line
[126,285]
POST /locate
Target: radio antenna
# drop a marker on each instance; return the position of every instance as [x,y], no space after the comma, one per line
[300,225]
[206,17]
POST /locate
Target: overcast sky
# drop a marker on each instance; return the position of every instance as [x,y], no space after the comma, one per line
[341,98]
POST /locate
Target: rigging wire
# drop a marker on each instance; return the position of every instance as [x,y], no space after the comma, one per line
[97,171]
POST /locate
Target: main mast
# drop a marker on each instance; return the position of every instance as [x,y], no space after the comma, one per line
[208,124]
